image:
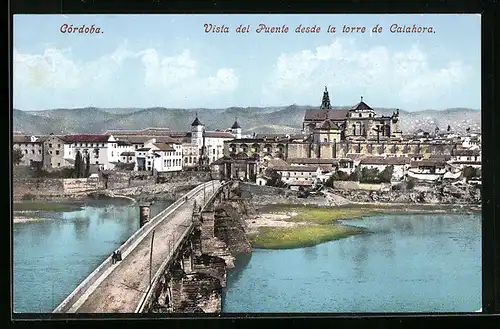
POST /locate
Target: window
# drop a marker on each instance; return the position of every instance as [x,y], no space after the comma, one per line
[49,152]
[39,151]
[58,164]
[32,151]
[360,115]
[111,153]
[165,162]
[96,162]
[213,151]
[58,145]
[57,152]
[50,145]
[149,163]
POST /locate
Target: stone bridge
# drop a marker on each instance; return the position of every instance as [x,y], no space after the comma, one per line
[173,263]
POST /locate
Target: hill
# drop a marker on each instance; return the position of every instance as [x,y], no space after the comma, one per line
[252,119]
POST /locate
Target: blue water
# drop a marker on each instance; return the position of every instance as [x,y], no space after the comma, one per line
[410,263]
[52,257]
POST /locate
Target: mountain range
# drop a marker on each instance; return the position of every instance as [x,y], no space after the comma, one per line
[288,119]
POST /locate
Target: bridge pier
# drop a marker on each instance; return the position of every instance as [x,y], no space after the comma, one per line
[144,212]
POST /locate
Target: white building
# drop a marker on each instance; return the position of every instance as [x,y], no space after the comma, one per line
[211,143]
[400,165]
[190,155]
[299,175]
[160,156]
[31,148]
[102,149]
[466,157]
[429,170]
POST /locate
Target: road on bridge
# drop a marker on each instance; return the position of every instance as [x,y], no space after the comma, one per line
[121,291]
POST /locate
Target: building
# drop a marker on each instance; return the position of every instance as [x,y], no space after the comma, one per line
[400,165]
[31,148]
[359,121]
[190,155]
[297,176]
[160,156]
[103,150]
[210,143]
[428,170]
[53,152]
[466,157]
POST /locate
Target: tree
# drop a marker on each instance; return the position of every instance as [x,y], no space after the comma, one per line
[386,175]
[469,172]
[410,184]
[17,156]
[78,157]
[275,180]
[87,165]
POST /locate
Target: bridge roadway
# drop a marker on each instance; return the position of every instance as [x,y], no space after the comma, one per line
[124,285]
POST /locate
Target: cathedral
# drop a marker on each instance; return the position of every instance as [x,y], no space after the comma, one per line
[360,122]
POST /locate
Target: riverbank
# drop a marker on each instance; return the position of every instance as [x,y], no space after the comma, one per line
[296,226]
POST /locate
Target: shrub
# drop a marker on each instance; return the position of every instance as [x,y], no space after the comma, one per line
[410,184]
[28,197]
[386,175]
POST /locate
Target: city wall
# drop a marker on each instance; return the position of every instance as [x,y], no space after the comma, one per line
[354,185]
[268,195]
[39,188]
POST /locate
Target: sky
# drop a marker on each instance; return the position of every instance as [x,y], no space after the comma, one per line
[170,61]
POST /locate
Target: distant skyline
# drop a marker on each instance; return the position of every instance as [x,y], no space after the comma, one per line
[169,61]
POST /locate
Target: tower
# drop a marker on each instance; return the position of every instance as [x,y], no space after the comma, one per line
[197,132]
[236,129]
[325,102]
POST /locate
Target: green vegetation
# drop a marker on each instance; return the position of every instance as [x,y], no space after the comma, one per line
[319,215]
[370,176]
[300,236]
[322,223]
[17,156]
[45,206]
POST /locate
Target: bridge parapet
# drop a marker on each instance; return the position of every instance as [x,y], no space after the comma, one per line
[106,266]
[201,257]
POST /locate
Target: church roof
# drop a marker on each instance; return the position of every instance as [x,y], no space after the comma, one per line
[321,115]
[236,125]
[196,122]
[361,106]
[329,124]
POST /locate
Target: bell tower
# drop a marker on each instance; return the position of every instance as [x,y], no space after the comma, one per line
[325,102]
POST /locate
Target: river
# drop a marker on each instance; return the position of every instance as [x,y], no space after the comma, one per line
[410,263]
[54,255]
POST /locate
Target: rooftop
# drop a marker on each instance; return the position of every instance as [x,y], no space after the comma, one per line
[85,138]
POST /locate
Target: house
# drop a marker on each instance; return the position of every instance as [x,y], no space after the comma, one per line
[329,165]
[261,180]
[124,146]
[53,152]
[127,156]
[430,170]
[466,157]
[190,155]
[293,175]
[400,165]
[31,148]
[103,150]
[160,156]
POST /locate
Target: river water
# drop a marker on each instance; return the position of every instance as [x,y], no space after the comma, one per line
[410,263]
[53,256]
